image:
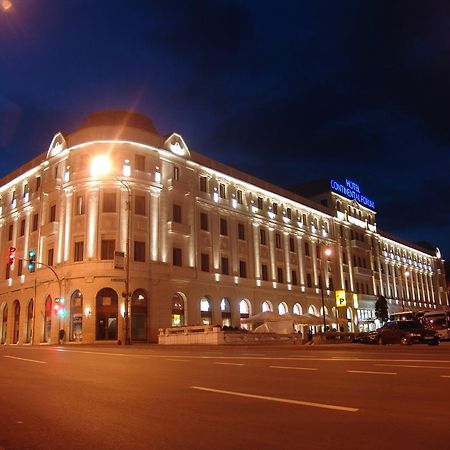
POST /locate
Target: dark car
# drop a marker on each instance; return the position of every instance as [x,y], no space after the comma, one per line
[404,332]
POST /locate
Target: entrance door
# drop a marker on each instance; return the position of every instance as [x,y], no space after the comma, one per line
[139,315]
[106,314]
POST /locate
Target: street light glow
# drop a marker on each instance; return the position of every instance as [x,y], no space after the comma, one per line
[328,252]
[100,166]
[6,5]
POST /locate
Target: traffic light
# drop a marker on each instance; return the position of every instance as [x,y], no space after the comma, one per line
[31,260]
[59,306]
[11,254]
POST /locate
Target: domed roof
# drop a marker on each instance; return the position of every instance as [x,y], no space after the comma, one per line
[115,118]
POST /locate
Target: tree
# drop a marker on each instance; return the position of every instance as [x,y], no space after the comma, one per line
[381,309]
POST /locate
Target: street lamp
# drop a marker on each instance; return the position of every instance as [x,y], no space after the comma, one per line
[101,166]
[323,250]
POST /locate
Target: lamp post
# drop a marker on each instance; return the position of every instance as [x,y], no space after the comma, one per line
[323,250]
[101,167]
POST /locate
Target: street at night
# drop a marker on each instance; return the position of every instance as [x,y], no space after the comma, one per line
[156,397]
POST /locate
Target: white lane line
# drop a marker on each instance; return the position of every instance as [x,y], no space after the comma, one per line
[278,399]
[25,359]
[229,364]
[294,368]
[445,376]
[411,366]
[178,360]
[372,372]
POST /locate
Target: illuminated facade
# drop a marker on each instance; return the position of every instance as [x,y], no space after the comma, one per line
[207,243]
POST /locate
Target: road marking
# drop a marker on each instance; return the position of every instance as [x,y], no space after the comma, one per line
[278,399]
[179,360]
[295,368]
[372,372]
[230,364]
[412,367]
[25,359]
[445,376]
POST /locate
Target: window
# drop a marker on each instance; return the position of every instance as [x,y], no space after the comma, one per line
[139,162]
[241,231]
[344,257]
[262,237]
[108,247]
[330,284]
[139,205]
[176,173]
[50,254]
[177,257]
[109,202]
[52,217]
[243,269]
[289,213]
[79,205]
[22,227]
[139,251]
[275,208]
[203,184]
[38,183]
[78,251]
[294,278]
[204,221]
[35,222]
[223,227]
[308,280]
[222,191]
[277,240]
[224,265]
[260,203]
[306,248]
[26,190]
[8,271]
[239,196]
[10,232]
[204,262]
[264,273]
[291,244]
[20,267]
[176,210]
[280,275]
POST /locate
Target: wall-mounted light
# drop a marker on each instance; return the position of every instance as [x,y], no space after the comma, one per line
[87,312]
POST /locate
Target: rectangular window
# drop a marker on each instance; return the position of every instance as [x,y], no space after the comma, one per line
[306,248]
[291,244]
[243,269]
[223,227]
[20,267]
[10,232]
[262,237]
[204,221]
[108,247]
[222,193]
[241,231]
[8,271]
[239,196]
[344,257]
[330,284]
[176,173]
[79,205]
[204,262]
[277,240]
[294,278]
[224,266]
[78,251]
[139,251]
[139,205]
[50,254]
[203,184]
[176,213]
[275,208]
[260,203]
[109,202]
[139,162]
[52,217]
[22,227]
[280,275]
[308,280]
[177,258]
[289,213]
[35,222]
[38,183]
[264,273]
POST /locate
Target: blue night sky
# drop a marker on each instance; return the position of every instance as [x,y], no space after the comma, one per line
[289,91]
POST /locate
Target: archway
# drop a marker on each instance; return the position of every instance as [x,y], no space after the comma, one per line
[4,324]
[244,312]
[282,308]
[266,306]
[106,311]
[29,332]
[205,311]
[139,315]
[178,310]
[351,326]
[16,323]
[297,309]
[76,316]
[47,319]
[225,309]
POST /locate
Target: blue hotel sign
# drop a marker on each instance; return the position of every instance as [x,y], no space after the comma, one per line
[351,190]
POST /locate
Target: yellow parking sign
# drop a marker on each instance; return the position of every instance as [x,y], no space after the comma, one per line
[340,299]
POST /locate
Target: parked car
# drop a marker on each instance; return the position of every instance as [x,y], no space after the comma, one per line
[403,332]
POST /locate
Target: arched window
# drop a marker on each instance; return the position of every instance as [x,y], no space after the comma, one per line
[178,310]
[266,306]
[16,323]
[205,311]
[4,324]
[139,315]
[225,310]
[312,310]
[297,309]
[106,314]
[321,310]
[47,319]
[76,316]
[282,308]
[244,312]
[29,333]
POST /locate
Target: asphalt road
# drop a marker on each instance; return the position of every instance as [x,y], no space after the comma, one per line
[154,397]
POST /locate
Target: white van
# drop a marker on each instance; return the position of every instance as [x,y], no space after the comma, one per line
[439,321]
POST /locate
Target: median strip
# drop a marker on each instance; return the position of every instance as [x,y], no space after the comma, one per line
[25,359]
[277,399]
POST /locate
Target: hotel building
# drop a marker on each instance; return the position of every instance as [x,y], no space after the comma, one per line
[117,231]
